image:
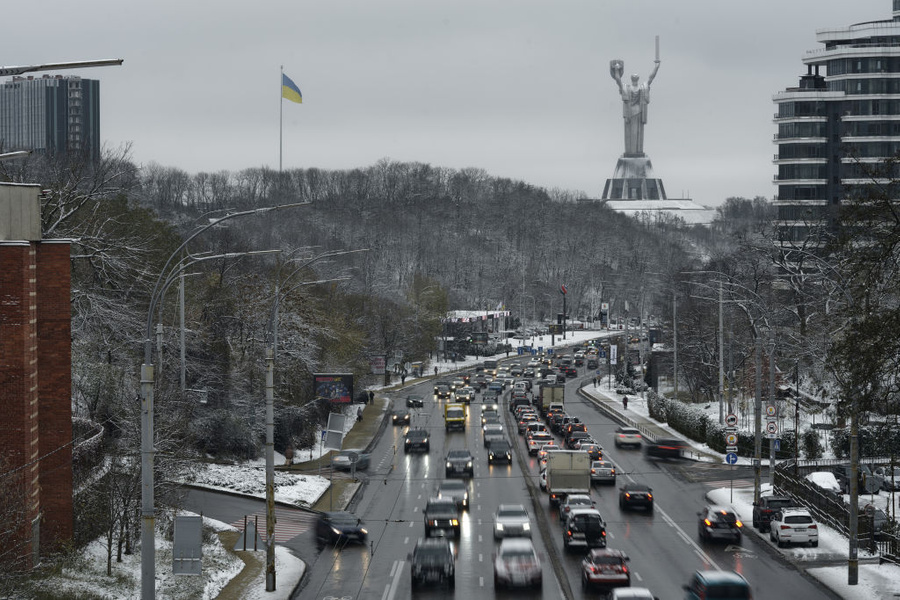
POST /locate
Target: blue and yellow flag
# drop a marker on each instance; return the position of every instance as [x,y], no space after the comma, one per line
[290,90]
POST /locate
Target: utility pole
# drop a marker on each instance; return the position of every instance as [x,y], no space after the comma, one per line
[757,421]
[675,341]
[721,358]
[853,562]
[772,401]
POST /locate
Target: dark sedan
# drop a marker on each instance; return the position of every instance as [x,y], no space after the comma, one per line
[636,495]
[339,528]
[666,448]
[400,417]
[414,401]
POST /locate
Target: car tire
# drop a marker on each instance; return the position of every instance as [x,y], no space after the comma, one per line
[771,535]
[814,544]
[584,583]
[621,504]
[781,543]
[414,582]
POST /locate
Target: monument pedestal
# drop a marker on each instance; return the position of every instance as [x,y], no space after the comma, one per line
[633,179]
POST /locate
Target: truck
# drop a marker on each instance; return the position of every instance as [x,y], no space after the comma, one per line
[568,472]
[455,416]
[550,393]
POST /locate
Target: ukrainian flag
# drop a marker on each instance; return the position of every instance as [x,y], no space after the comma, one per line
[290,90]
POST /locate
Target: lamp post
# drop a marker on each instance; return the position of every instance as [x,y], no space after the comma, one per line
[148,518]
[270,406]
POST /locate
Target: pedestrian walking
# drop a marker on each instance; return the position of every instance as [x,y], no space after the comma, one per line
[625,402]
[435,370]
[595,381]
[359,412]
[371,396]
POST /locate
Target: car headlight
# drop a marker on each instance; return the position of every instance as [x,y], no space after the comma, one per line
[499,526]
[425,441]
[448,464]
[336,531]
[526,527]
[454,522]
[469,465]
[364,531]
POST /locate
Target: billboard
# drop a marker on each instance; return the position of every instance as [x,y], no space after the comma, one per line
[337,388]
[480,337]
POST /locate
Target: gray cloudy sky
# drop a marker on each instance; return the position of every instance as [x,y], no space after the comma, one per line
[519,88]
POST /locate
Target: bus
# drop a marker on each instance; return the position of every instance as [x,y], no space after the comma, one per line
[490,367]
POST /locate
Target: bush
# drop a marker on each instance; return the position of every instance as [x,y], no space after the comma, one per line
[812,444]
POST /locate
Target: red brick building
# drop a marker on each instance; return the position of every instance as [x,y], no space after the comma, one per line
[35,376]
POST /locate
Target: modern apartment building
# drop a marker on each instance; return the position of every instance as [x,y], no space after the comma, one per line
[54,114]
[836,128]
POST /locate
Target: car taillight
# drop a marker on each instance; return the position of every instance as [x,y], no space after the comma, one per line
[785,527]
[813,526]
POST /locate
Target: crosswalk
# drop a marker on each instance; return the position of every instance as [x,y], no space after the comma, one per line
[289,523]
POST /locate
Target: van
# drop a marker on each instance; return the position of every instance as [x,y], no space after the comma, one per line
[717,585]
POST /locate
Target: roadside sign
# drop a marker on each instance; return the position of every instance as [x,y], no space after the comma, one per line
[731,448]
[731,420]
[777,445]
[731,439]
[770,411]
[772,427]
[731,458]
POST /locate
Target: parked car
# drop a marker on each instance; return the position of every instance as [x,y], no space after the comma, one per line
[456,490]
[627,436]
[826,480]
[400,417]
[890,479]
[414,401]
[416,439]
[584,528]
[605,567]
[717,585]
[459,462]
[636,495]
[719,523]
[432,561]
[516,563]
[441,517]
[603,471]
[868,481]
[666,448]
[339,528]
[511,520]
[345,459]
[766,507]
[793,526]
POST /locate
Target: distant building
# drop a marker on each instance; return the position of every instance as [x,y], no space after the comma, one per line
[53,114]
[835,127]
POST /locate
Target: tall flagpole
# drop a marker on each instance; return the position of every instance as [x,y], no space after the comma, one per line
[280,115]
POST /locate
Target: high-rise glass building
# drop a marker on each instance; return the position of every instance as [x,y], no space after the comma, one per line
[836,128]
[54,114]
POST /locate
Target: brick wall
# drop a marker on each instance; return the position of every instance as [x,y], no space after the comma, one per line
[54,361]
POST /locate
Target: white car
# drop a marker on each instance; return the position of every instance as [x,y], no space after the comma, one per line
[574,502]
[793,526]
[516,563]
[627,436]
[511,520]
[632,593]
[538,441]
[825,480]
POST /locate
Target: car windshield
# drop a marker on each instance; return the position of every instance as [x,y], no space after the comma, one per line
[731,591]
[518,554]
[607,560]
[512,512]
[798,519]
[724,517]
[499,446]
[343,519]
[464,454]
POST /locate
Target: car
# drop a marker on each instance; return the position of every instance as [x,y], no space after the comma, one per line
[490,397]
[627,436]
[632,593]
[542,479]
[479,382]
[603,471]
[499,451]
[573,425]
[416,439]
[460,462]
[489,413]
[572,502]
[542,453]
[345,460]
[606,568]
[441,517]
[890,478]
[432,561]
[493,436]
[515,370]
[793,526]
[666,448]
[339,528]
[584,528]
[465,394]
[524,422]
[456,490]
[766,507]
[571,371]
[826,480]
[414,401]
[511,520]
[573,438]
[529,373]
[879,519]
[592,448]
[867,480]
[534,427]
[537,441]
[516,563]
[717,585]
[400,417]
[636,495]
[492,431]
[719,523]
[457,383]
[442,391]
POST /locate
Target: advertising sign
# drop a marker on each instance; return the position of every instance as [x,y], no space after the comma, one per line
[613,350]
[480,337]
[336,388]
[377,364]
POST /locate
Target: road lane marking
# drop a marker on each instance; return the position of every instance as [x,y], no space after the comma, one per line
[390,590]
[687,539]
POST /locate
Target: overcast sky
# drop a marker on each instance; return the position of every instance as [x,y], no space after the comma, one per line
[519,88]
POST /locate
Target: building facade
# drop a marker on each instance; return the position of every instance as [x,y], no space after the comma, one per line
[53,114]
[837,127]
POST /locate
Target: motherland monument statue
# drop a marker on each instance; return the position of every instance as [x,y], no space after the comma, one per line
[633,178]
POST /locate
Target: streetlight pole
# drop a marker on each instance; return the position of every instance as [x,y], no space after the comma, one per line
[148,517]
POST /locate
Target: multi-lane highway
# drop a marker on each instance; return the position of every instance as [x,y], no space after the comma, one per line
[662,546]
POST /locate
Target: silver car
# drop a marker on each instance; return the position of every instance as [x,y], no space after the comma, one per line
[511,520]
[603,471]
